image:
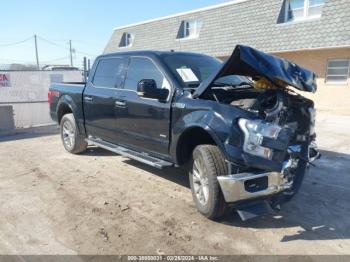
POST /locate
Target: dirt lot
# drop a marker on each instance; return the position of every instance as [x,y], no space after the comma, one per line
[52,202]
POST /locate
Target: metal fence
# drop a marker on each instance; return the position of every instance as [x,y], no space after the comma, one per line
[23,96]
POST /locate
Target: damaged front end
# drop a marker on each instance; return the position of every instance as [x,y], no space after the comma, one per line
[278,142]
[275,159]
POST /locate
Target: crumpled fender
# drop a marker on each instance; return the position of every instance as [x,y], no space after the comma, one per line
[214,118]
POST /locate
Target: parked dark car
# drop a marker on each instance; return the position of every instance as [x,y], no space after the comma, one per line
[240,128]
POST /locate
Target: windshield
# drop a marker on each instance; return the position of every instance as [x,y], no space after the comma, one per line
[193,69]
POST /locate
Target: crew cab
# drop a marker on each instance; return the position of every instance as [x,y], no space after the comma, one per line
[241,128]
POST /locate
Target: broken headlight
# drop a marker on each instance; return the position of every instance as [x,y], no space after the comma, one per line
[254,133]
[312,112]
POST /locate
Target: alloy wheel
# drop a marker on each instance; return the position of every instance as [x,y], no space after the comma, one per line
[68,134]
[200,183]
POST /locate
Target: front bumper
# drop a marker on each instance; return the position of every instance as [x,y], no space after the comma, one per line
[246,186]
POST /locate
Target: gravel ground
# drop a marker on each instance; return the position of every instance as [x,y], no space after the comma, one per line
[52,202]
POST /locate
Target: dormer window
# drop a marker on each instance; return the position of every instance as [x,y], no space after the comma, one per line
[189,29]
[297,10]
[126,40]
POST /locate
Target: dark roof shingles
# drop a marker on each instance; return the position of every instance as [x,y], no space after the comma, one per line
[252,23]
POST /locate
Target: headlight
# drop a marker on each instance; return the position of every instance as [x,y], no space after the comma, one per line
[254,133]
[312,112]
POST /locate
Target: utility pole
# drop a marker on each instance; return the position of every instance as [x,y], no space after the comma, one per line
[36,52]
[71,52]
[85,69]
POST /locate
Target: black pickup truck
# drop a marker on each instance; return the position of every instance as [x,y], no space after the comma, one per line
[240,127]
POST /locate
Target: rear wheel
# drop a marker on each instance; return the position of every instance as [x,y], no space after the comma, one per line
[208,163]
[73,141]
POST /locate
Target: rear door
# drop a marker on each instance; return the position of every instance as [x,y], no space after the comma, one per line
[141,122]
[100,97]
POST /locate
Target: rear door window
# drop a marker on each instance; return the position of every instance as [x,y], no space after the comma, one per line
[109,73]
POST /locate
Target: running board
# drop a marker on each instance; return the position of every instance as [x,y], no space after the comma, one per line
[141,157]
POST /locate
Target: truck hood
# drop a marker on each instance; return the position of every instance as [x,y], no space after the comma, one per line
[247,61]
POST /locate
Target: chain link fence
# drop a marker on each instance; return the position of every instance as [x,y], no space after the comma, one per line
[23,97]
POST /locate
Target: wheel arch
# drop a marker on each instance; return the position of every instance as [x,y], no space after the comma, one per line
[63,109]
[66,105]
[191,138]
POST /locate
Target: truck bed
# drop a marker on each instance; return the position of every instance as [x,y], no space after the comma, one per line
[69,92]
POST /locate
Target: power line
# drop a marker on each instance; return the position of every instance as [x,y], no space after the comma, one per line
[36,39]
[88,43]
[52,43]
[83,53]
[17,43]
[64,47]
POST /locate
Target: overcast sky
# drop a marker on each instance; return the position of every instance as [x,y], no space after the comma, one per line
[88,24]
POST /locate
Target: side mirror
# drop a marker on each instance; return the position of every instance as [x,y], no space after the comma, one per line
[147,88]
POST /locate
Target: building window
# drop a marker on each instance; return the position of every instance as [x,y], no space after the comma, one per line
[297,10]
[338,71]
[189,29]
[126,40]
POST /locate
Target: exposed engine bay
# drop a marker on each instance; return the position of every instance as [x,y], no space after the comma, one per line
[274,105]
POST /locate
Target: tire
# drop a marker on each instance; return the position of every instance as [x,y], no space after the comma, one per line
[208,163]
[73,141]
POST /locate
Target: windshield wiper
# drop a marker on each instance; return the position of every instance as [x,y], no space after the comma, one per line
[191,87]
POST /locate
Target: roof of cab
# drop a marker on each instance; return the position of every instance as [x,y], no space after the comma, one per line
[147,53]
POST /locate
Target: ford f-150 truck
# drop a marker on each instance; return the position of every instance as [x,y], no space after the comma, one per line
[240,127]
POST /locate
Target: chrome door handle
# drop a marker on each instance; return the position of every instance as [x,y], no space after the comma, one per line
[119,103]
[88,99]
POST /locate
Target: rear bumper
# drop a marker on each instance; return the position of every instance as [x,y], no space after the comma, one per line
[246,186]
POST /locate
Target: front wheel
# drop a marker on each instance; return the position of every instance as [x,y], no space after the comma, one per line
[73,141]
[207,164]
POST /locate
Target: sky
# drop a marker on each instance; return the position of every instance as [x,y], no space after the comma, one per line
[88,23]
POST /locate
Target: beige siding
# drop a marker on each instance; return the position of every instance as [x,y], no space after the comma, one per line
[327,97]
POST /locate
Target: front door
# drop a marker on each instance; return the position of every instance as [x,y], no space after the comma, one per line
[143,123]
[100,98]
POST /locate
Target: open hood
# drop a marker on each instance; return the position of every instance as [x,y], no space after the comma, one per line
[247,61]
